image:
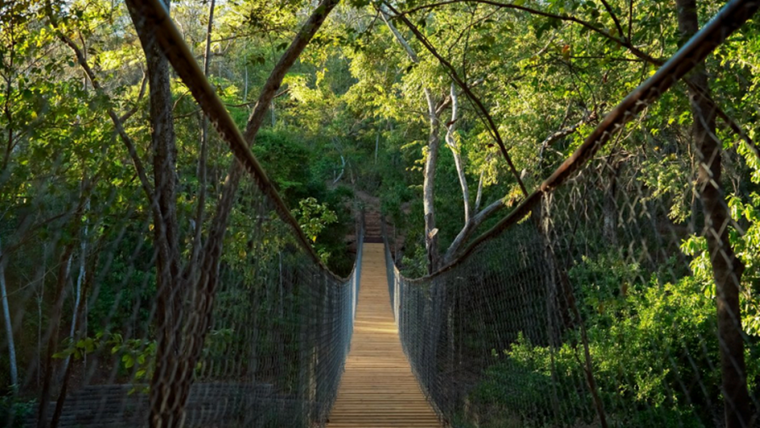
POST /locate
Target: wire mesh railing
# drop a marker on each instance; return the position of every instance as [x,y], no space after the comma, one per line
[187,298]
[621,293]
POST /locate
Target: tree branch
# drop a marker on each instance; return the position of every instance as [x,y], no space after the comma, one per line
[562,133]
[479,194]
[614,17]
[131,149]
[140,95]
[202,160]
[471,226]
[566,18]
[630,18]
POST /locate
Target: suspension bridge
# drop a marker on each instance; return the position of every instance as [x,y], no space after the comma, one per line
[506,334]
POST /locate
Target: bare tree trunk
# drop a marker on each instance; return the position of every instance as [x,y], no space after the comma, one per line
[78,288]
[202,161]
[245,90]
[428,186]
[609,209]
[470,227]
[456,150]
[470,223]
[727,268]
[479,194]
[52,333]
[377,145]
[431,162]
[8,324]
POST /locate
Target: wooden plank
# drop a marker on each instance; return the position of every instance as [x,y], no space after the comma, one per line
[378,389]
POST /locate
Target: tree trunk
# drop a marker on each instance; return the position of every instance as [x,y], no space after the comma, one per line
[6,158]
[52,333]
[245,89]
[470,227]
[202,169]
[727,268]
[166,406]
[609,209]
[456,151]
[8,325]
[78,288]
[40,299]
[428,184]
[377,145]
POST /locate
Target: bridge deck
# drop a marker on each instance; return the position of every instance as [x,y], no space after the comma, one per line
[378,388]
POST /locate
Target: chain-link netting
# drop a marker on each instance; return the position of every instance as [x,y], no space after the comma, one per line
[182,293]
[622,293]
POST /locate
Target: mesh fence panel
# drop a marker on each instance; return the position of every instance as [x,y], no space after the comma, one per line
[590,305]
[232,321]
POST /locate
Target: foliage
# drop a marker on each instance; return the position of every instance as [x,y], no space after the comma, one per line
[314,218]
[137,356]
[16,411]
[657,334]
[519,381]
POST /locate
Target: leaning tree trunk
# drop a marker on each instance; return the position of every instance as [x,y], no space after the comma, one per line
[727,268]
[456,151]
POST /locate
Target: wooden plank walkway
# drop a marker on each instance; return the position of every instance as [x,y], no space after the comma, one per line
[378,389]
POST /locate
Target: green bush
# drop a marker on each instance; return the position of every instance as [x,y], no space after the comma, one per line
[653,346]
[16,410]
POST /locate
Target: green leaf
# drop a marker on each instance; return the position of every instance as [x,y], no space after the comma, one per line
[128,361]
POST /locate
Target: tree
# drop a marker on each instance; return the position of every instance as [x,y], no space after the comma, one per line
[727,267]
[434,109]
